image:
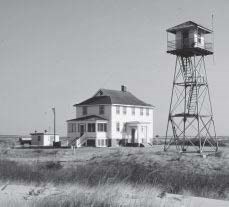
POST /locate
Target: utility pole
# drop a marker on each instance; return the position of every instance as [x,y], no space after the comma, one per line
[54,123]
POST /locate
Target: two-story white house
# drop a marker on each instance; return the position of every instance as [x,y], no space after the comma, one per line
[111,118]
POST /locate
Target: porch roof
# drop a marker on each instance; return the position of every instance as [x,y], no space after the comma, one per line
[136,123]
[89,118]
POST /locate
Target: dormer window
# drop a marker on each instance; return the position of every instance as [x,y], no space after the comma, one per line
[84,110]
[99,93]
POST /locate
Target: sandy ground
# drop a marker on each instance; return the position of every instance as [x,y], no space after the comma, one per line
[17,195]
[24,195]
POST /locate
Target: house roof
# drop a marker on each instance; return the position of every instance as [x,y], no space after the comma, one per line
[106,96]
[91,118]
[136,122]
[187,25]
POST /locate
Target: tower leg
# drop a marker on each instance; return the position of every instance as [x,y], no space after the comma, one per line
[168,140]
[190,121]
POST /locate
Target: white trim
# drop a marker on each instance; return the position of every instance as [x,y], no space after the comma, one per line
[90,105]
[142,106]
[136,122]
[88,121]
[99,142]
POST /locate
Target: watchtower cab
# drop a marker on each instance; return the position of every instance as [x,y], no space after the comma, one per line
[189,39]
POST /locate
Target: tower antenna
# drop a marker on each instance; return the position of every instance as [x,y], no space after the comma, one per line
[213,40]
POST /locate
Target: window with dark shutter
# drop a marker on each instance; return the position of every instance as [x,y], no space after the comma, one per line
[124,109]
[133,110]
[101,109]
[102,127]
[141,111]
[147,112]
[91,127]
[117,126]
[84,110]
[117,109]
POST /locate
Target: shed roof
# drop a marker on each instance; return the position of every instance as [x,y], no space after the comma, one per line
[43,133]
[188,25]
[90,117]
[106,96]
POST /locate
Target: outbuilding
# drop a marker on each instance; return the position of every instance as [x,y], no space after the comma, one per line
[44,139]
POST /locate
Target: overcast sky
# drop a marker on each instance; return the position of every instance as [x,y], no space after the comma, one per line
[60,52]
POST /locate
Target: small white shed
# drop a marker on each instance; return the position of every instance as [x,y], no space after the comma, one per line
[44,139]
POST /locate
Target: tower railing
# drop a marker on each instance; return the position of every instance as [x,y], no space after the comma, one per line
[189,43]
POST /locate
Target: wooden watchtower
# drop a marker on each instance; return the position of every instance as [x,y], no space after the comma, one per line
[190,124]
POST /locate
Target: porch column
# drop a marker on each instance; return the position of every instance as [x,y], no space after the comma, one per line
[138,133]
[96,131]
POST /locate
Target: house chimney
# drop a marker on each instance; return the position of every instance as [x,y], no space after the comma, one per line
[123,88]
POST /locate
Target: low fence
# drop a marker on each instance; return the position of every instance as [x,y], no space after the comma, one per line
[223,141]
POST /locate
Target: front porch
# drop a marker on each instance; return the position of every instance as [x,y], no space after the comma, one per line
[88,131]
[136,132]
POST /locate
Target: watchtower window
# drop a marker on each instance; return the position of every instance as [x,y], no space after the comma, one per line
[185,34]
[199,36]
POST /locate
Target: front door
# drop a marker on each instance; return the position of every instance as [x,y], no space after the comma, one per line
[81,129]
[133,135]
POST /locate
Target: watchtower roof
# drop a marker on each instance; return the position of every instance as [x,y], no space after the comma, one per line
[188,25]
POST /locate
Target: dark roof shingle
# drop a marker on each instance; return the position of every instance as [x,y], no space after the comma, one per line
[186,25]
[105,96]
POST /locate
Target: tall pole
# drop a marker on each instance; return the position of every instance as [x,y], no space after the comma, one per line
[54,123]
[213,43]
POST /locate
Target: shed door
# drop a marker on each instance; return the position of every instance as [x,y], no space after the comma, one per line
[133,135]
